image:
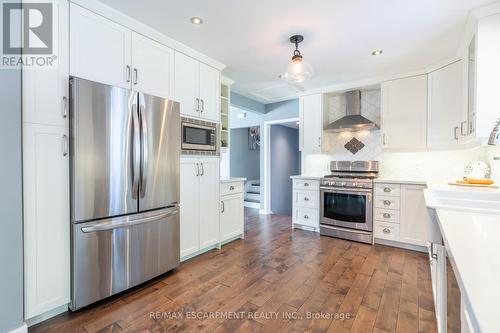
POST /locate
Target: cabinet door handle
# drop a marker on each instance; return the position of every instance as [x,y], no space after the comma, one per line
[319,142]
[306,184]
[197,169]
[387,216]
[463,128]
[197,104]
[127,74]
[136,75]
[456,133]
[223,207]
[202,170]
[202,105]
[65,107]
[383,139]
[65,147]
[306,217]
[231,188]
[386,231]
[306,199]
[387,189]
[387,202]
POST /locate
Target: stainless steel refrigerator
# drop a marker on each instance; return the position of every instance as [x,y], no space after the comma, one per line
[124,162]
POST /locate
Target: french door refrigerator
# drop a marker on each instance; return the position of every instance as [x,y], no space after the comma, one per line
[124,164]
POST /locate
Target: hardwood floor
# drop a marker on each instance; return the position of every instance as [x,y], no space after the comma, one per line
[299,280]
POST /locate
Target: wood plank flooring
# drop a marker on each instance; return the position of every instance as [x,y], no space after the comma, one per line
[276,280]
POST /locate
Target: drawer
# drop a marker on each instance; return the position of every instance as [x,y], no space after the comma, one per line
[391,190]
[386,215]
[305,184]
[386,202]
[231,188]
[389,231]
[306,216]
[308,199]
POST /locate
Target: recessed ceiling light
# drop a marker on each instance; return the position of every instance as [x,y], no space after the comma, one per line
[196,20]
[377,52]
[281,76]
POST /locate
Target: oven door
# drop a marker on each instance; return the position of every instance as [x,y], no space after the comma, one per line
[348,208]
[198,137]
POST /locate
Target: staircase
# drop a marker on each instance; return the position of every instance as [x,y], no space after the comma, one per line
[252,194]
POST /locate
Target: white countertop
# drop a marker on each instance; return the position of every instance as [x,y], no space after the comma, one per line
[233,179]
[473,243]
[306,177]
[400,181]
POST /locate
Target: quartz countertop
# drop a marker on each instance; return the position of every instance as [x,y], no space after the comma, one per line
[472,241]
[400,181]
[306,177]
[233,179]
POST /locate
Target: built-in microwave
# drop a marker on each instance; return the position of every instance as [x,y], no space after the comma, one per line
[198,136]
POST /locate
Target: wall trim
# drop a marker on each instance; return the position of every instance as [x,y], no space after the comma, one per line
[47,315]
[267,158]
[21,329]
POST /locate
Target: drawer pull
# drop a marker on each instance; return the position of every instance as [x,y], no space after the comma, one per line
[306,199]
[387,202]
[231,188]
[387,215]
[386,231]
[387,189]
[306,217]
[306,184]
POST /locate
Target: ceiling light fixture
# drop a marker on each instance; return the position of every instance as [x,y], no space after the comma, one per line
[377,52]
[298,70]
[196,20]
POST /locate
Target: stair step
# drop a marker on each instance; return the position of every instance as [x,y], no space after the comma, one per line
[253,196]
[253,192]
[252,200]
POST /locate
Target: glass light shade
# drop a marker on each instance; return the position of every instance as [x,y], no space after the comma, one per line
[298,70]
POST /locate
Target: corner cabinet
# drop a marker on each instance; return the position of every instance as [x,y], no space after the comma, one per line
[311,123]
[404,113]
[199,223]
[231,214]
[106,52]
[197,88]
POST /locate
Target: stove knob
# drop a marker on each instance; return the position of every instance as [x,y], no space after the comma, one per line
[355,184]
[331,183]
[343,184]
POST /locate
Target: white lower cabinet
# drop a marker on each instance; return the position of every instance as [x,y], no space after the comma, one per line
[46,218]
[306,203]
[400,215]
[231,216]
[199,223]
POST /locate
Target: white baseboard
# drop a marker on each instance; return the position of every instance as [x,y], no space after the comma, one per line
[265,212]
[400,245]
[47,315]
[21,329]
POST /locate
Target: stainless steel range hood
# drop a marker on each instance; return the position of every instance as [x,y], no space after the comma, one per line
[353,120]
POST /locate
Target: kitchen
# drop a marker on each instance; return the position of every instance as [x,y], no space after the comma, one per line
[123,204]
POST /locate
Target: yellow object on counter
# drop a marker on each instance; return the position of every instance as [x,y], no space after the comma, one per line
[477,181]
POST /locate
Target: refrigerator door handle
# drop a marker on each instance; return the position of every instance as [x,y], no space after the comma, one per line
[136,147]
[144,142]
[120,224]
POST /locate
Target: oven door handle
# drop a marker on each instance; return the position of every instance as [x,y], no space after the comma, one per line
[345,190]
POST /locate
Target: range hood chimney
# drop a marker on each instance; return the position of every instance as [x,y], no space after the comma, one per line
[353,120]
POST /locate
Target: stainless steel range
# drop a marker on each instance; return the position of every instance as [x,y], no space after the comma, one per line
[346,200]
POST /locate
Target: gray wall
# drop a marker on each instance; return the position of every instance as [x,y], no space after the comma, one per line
[11,234]
[243,161]
[285,162]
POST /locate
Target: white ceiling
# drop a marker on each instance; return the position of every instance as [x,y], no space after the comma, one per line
[251,37]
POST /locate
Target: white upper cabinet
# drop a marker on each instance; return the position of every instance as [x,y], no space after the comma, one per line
[404,113]
[209,93]
[447,114]
[197,88]
[311,123]
[187,88]
[100,50]
[152,67]
[46,218]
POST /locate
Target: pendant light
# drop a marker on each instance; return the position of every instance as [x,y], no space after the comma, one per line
[298,70]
